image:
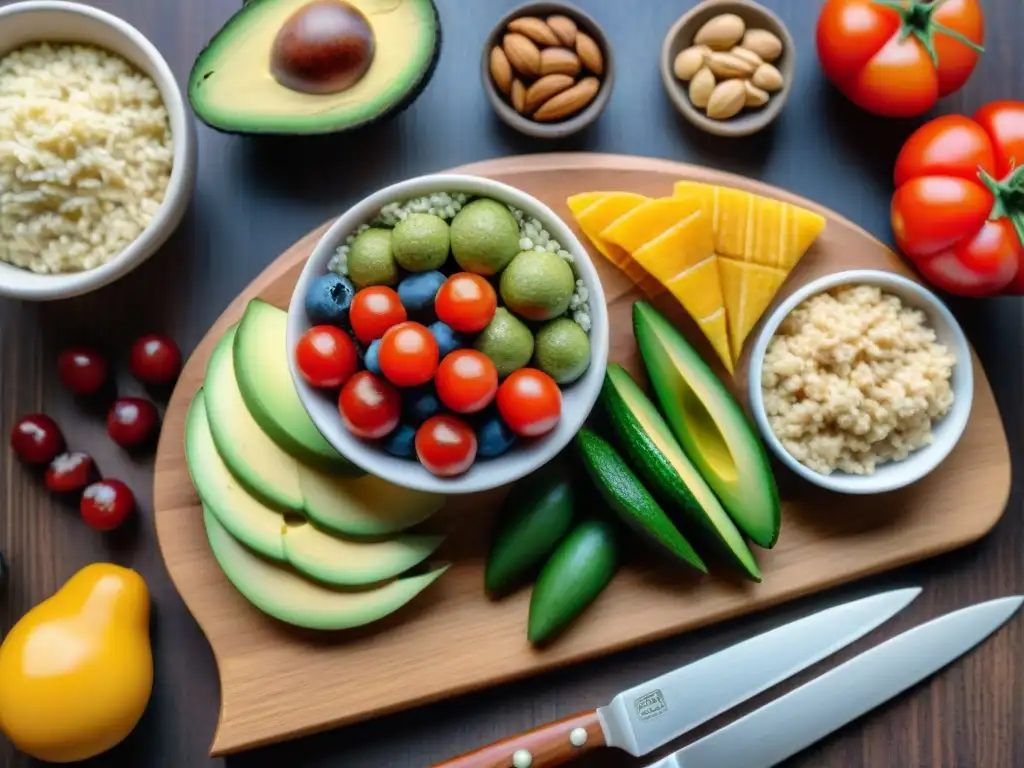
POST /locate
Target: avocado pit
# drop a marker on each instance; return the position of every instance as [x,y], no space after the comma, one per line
[324,47]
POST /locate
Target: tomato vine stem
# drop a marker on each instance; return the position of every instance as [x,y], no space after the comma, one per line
[917,20]
[1009,198]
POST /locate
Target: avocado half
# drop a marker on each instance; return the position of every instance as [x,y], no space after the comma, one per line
[233,87]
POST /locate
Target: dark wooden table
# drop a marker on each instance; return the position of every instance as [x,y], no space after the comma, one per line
[256,196]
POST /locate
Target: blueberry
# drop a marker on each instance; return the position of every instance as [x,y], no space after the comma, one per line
[447,339]
[421,404]
[401,442]
[328,300]
[493,437]
[417,291]
[372,357]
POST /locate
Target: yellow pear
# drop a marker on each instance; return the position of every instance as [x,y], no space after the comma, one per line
[76,671]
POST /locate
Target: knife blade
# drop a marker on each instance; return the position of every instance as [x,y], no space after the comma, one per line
[646,716]
[793,722]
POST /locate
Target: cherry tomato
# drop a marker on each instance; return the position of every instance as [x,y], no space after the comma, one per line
[408,354]
[445,445]
[530,402]
[957,211]
[155,359]
[69,472]
[466,302]
[373,311]
[466,381]
[36,439]
[81,370]
[897,60]
[132,421]
[369,406]
[326,356]
[106,504]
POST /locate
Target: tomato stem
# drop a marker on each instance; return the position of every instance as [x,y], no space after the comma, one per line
[1008,196]
[918,20]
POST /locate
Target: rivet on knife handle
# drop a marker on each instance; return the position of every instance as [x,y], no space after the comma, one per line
[545,747]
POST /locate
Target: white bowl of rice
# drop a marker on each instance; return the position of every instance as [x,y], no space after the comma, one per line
[97,150]
[540,229]
[861,382]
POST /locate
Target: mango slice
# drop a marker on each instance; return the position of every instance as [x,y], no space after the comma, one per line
[748,290]
[604,208]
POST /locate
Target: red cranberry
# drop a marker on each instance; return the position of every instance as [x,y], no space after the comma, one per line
[131,421]
[36,439]
[106,504]
[83,371]
[155,359]
[69,472]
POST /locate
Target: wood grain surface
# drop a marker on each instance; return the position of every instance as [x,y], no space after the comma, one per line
[275,684]
[255,196]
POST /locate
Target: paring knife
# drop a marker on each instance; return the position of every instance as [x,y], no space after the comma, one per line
[793,722]
[651,714]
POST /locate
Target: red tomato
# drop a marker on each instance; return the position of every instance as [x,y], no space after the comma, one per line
[466,302]
[446,445]
[530,402]
[373,311]
[408,354]
[106,504]
[898,57]
[132,421]
[155,359]
[958,209]
[466,380]
[326,356]
[369,406]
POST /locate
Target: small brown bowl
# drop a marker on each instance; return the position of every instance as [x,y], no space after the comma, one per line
[575,123]
[680,37]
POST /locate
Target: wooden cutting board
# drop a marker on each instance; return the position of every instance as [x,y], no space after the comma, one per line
[278,682]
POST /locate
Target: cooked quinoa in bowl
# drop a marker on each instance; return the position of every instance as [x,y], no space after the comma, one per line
[861,382]
[853,378]
[478,327]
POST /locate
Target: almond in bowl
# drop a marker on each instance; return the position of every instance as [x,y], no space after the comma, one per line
[547,69]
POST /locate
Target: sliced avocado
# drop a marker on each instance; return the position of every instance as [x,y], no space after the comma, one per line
[577,572]
[535,516]
[259,464]
[288,597]
[310,551]
[630,500]
[270,69]
[261,369]
[654,452]
[363,506]
[710,426]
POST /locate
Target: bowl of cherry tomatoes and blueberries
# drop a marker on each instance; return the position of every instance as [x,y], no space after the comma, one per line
[449,333]
[105,503]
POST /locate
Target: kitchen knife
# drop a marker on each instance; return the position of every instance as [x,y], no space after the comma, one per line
[793,722]
[645,717]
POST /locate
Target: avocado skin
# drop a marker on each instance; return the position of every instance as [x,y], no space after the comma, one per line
[395,109]
[537,514]
[630,500]
[578,571]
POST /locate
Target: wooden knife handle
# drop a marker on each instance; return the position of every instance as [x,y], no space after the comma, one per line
[545,747]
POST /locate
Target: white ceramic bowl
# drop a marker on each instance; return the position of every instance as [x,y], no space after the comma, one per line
[55,21]
[578,398]
[947,432]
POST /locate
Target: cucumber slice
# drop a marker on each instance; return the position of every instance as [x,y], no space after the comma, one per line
[571,580]
[536,515]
